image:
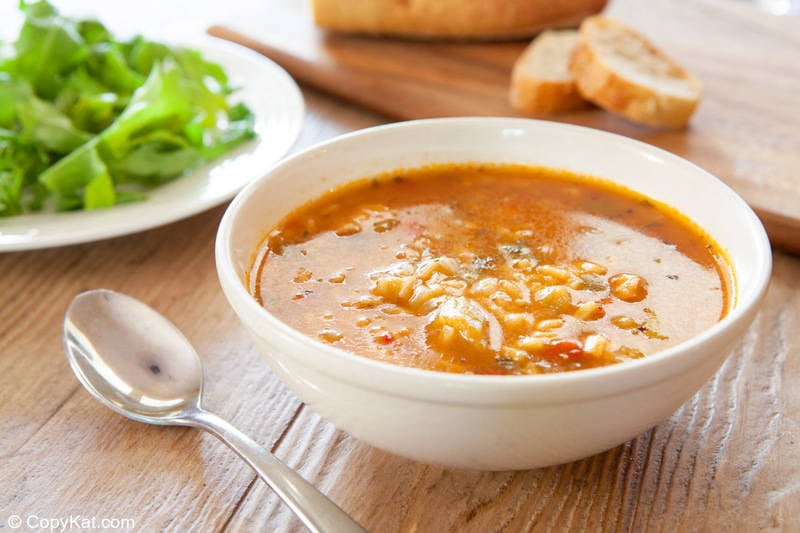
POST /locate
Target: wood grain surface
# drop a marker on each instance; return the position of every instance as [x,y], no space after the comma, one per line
[746,130]
[728,460]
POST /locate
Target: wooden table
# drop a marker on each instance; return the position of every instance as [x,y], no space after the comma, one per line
[728,460]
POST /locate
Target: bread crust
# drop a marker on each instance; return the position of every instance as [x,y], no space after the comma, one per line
[544,96]
[600,82]
[451,19]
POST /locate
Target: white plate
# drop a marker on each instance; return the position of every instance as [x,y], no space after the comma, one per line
[278,106]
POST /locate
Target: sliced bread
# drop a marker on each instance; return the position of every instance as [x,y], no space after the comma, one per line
[621,71]
[540,80]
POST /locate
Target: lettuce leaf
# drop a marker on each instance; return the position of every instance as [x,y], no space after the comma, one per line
[20,165]
[88,121]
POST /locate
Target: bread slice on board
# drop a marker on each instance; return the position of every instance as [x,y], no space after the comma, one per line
[451,19]
[541,81]
[621,71]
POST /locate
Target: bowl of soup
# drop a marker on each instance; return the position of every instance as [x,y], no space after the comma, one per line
[492,293]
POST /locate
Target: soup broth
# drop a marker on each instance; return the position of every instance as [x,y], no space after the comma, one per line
[492,269]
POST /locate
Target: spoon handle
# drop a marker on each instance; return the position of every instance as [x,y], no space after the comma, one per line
[312,507]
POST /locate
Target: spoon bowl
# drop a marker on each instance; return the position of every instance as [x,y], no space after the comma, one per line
[139,364]
[131,358]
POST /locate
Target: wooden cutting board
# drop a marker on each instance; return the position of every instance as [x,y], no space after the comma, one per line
[746,130]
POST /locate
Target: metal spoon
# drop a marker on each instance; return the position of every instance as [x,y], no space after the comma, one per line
[139,364]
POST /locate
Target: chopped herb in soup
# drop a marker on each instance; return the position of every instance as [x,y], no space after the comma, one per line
[492,269]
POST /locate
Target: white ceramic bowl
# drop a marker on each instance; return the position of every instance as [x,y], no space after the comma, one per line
[492,422]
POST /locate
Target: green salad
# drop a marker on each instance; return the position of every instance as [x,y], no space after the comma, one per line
[88,121]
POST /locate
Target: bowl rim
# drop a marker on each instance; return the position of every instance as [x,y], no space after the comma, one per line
[242,302]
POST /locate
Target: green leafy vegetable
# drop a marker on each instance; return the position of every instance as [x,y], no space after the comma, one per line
[44,123]
[88,121]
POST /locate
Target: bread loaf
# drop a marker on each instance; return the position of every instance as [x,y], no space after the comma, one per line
[618,69]
[541,81]
[460,19]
